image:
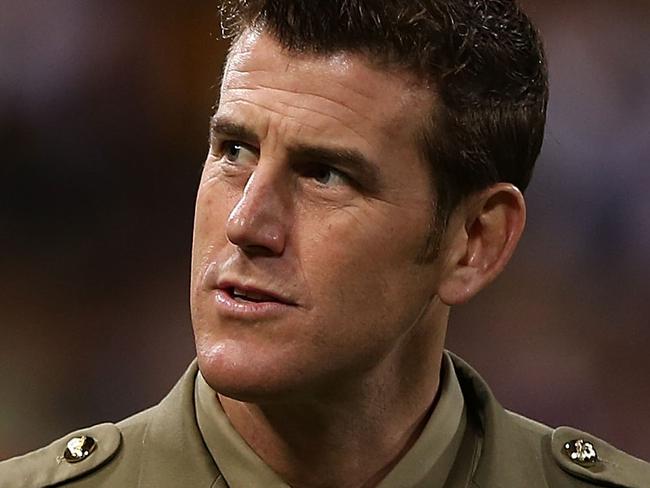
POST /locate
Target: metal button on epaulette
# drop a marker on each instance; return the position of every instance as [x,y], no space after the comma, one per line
[581,452]
[79,448]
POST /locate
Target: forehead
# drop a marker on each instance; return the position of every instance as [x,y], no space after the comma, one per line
[341,95]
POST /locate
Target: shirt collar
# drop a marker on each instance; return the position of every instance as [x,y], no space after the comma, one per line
[430,460]
[238,463]
[427,463]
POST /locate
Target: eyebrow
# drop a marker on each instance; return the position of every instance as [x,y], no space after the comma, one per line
[352,160]
[226,127]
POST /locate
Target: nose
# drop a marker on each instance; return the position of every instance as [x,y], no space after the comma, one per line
[259,221]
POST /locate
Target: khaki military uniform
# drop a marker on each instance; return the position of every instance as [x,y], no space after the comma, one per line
[164,447]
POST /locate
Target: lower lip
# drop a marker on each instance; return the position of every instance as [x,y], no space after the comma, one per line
[229,306]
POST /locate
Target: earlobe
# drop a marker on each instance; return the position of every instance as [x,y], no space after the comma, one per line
[484,233]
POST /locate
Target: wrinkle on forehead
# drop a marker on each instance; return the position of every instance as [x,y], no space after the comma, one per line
[352,72]
[281,107]
[324,98]
[267,107]
[257,71]
[316,95]
[293,114]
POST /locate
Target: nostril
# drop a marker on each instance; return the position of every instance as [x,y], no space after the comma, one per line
[258,251]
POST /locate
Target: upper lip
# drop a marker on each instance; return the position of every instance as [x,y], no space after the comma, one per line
[273,295]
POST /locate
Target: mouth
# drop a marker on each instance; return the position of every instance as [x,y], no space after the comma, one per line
[247,294]
[239,302]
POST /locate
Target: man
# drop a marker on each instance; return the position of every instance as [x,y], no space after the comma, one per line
[365,174]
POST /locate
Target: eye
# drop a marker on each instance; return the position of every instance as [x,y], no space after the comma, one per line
[238,153]
[325,175]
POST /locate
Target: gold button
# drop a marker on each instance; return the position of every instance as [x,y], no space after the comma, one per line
[581,452]
[79,448]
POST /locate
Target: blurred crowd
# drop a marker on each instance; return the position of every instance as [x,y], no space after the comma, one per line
[103,129]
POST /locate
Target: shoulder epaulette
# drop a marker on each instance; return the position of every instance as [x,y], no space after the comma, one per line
[590,458]
[69,457]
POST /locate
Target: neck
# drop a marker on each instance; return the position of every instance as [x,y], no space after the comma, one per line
[353,436]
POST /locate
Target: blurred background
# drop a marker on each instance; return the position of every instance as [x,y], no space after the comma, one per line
[103,130]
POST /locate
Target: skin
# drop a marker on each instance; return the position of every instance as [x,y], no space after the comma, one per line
[312,383]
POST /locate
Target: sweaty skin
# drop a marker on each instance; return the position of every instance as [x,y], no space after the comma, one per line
[314,194]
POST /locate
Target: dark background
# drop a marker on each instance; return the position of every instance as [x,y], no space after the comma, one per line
[103,130]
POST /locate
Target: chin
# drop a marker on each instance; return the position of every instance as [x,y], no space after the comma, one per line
[249,377]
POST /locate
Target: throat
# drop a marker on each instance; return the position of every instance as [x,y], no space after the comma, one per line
[306,449]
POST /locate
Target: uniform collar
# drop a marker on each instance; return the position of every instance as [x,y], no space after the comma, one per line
[238,463]
[427,463]
[505,443]
[430,460]
[172,440]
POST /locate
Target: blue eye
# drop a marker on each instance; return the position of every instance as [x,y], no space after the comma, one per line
[238,153]
[325,175]
[231,151]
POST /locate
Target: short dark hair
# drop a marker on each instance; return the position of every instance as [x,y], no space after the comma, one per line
[484,60]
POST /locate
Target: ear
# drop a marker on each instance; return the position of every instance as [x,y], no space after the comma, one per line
[481,236]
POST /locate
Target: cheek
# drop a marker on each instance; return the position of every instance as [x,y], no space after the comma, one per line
[366,245]
[213,206]
[368,271]
[211,214]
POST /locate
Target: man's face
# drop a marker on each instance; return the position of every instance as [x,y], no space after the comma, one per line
[312,212]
